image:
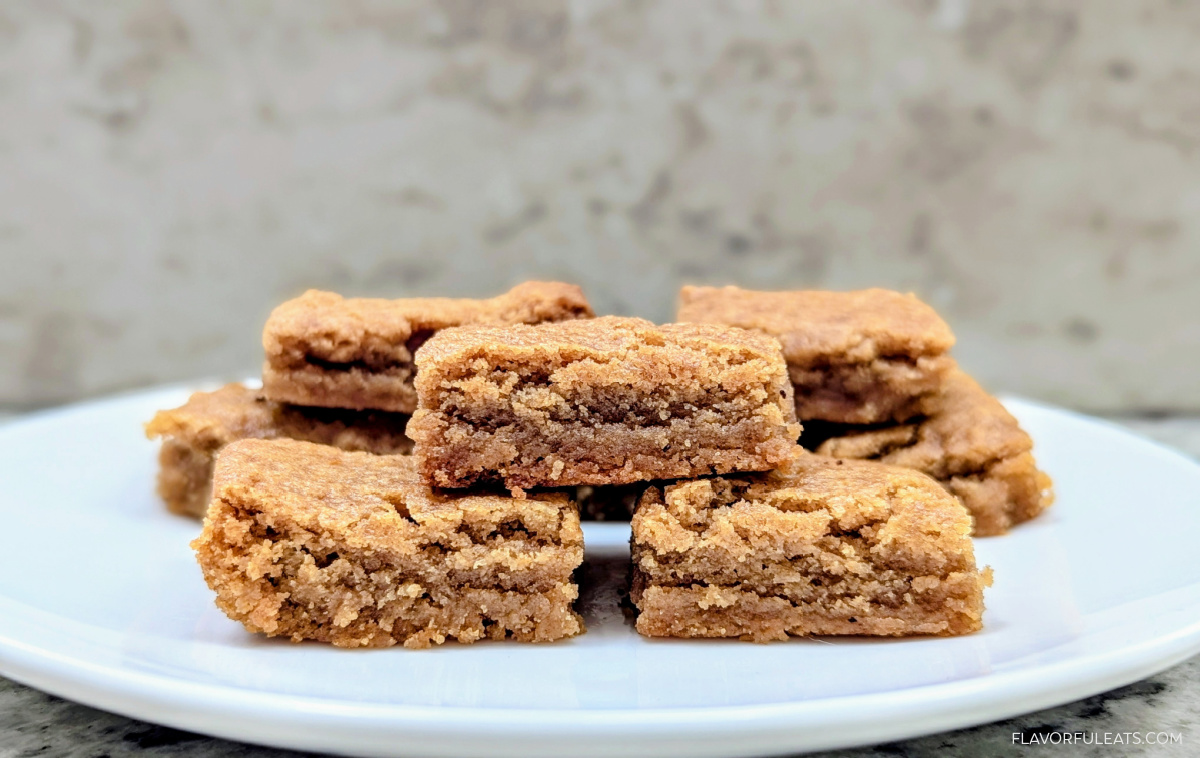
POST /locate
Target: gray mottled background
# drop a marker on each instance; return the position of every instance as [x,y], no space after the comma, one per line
[170,170]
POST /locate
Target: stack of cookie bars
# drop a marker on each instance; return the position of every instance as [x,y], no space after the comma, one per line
[413,470]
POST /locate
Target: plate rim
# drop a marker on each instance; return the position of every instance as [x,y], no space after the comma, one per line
[227,712]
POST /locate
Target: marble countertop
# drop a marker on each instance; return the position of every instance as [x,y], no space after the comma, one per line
[35,724]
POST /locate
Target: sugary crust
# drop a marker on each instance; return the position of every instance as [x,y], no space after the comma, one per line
[603,401]
[193,434]
[969,442]
[310,542]
[854,357]
[380,504]
[615,343]
[819,546]
[326,350]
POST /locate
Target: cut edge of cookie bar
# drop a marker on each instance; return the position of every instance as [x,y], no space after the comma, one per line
[1009,492]
[357,353]
[609,401]
[889,388]
[195,432]
[967,441]
[364,555]
[861,357]
[191,436]
[820,548]
[999,494]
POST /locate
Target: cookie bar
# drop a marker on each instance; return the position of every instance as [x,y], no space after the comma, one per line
[306,541]
[861,357]
[601,401]
[818,547]
[193,433]
[326,350]
[969,443]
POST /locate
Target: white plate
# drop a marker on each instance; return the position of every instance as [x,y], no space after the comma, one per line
[101,602]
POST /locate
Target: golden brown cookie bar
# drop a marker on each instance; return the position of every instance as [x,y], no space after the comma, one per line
[861,357]
[326,350]
[193,434]
[818,547]
[602,401]
[969,443]
[310,542]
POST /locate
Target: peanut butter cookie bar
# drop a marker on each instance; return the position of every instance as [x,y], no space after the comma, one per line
[326,350]
[307,541]
[602,401]
[969,443]
[820,546]
[863,357]
[193,434]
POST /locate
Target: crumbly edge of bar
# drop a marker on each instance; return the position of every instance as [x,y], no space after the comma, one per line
[890,388]
[499,549]
[1010,491]
[514,423]
[211,420]
[999,492]
[458,455]
[906,445]
[866,323]
[880,563]
[302,585]
[835,571]
[642,379]
[712,611]
[351,387]
[335,349]
[185,477]
[193,434]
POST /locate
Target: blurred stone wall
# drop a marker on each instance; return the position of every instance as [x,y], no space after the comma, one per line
[170,170]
